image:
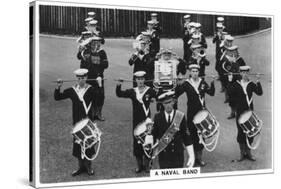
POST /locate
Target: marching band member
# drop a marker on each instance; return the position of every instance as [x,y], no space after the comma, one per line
[172,156]
[202,39]
[231,63]
[141,97]
[220,19]
[226,43]
[186,37]
[95,31]
[154,46]
[243,90]
[87,23]
[96,62]
[199,57]
[217,39]
[82,96]
[195,89]
[143,60]
[157,29]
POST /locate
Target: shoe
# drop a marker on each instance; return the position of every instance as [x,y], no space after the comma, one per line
[231,116]
[99,117]
[90,172]
[250,157]
[77,172]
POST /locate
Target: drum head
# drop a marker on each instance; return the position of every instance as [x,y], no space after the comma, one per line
[244,117]
[141,128]
[200,116]
[78,126]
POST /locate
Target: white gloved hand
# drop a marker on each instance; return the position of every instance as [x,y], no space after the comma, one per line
[230,77]
[99,81]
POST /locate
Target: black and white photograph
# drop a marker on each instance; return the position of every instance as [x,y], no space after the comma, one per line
[126,94]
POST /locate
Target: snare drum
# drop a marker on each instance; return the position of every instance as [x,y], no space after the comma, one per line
[207,129]
[250,123]
[87,134]
[205,123]
[142,132]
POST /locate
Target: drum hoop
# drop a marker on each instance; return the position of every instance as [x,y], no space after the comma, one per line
[79,124]
[201,112]
[243,114]
[138,127]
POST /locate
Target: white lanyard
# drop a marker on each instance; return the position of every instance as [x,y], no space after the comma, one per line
[196,85]
[244,87]
[80,93]
[139,97]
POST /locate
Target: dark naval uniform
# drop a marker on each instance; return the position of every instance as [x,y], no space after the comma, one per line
[141,111]
[173,155]
[217,40]
[96,64]
[187,52]
[243,102]
[195,103]
[145,63]
[79,111]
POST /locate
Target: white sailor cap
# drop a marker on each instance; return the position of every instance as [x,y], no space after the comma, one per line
[187,16]
[86,33]
[167,95]
[93,22]
[96,38]
[191,24]
[244,68]
[193,66]
[80,72]
[139,73]
[150,22]
[154,14]
[195,46]
[197,25]
[229,38]
[219,25]
[220,19]
[232,48]
[88,19]
[91,13]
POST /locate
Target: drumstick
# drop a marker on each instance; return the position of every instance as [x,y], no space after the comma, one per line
[230,73]
[73,80]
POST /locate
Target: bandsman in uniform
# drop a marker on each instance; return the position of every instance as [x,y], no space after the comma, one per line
[157,29]
[172,153]
[202,39]
[96,62]
[186,37]
[141,97]
[93,27]
[230,64]
[199,57]
[217,39]
[82,96]
[242,90]
[195,89]
[154,38]
[226,43]
[143,60]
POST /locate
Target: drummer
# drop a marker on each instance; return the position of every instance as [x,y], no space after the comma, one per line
[195,89]
[82,97]
[242,90]
[141,97]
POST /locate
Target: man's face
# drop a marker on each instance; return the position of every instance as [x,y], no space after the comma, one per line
[187,20]
[140,81]
[95,45]
[149,26]
[168,105]
[194,73]
[244,75]
[81,80]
